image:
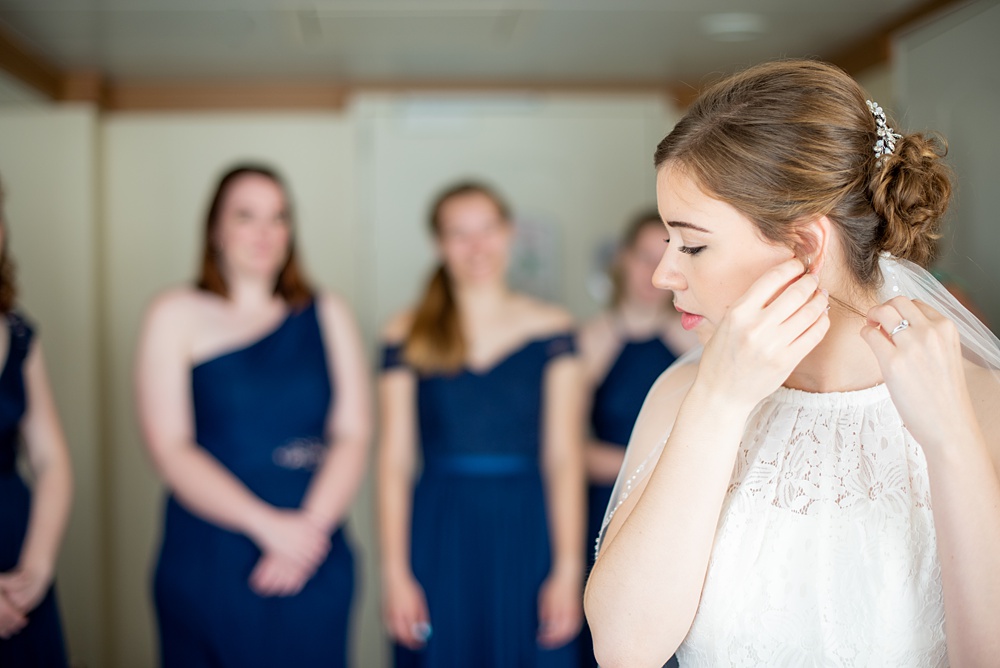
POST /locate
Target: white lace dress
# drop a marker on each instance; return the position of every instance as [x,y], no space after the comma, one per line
[825,554]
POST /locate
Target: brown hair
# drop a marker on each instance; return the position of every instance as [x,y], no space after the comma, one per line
[436,343]
[8,283]
[631,234]
[789,141]
[291,284]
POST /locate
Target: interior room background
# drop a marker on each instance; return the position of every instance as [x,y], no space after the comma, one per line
[105,207]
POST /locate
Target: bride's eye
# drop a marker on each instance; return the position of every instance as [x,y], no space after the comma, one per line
[692,250]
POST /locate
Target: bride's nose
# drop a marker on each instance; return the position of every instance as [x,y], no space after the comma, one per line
[667,276]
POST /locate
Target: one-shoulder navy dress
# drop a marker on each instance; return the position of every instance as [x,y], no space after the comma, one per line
[40,643]
[261,411]
[615,408]
[480,536]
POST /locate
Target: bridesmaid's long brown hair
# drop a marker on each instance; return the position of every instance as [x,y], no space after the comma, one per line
[8,284]
[291,284]
[436,343]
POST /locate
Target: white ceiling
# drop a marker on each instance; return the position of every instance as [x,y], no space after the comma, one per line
[430,40]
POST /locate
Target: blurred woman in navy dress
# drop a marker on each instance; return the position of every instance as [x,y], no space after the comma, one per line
[32,522]
[482,552]
[624,350]
[253,396]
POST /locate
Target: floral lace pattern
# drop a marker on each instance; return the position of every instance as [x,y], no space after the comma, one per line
[825,554]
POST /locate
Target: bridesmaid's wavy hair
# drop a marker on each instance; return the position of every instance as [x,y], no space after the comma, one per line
[8,284]
[789,141]
[436,343]
[291,284]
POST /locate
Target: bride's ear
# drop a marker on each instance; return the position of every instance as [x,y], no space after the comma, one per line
[812,240]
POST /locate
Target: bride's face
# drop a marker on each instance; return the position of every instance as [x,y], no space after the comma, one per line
[714,252]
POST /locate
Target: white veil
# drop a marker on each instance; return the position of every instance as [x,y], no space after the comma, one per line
[980,350]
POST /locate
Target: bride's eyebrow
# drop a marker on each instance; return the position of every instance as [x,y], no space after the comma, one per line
[690,226]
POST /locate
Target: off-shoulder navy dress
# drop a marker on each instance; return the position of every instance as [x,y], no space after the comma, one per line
[480,535]
[40,643]
[614,410]
[261,411]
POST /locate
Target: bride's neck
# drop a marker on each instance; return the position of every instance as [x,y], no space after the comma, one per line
[842,361]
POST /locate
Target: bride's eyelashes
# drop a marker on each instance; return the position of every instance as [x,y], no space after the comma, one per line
[690,250]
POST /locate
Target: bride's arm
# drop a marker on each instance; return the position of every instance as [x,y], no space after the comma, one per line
[965,490]
[952,409]
[966,504]
[645,587]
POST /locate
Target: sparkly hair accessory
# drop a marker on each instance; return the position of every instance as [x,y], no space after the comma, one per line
[886,143]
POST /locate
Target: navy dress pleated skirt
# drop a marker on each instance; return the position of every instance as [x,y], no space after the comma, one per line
[261,411]
[615,408]
[480,536]
[40,644]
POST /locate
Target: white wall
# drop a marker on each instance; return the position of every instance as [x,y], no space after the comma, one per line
[580,165]
[48,167]
[947,80]
[878,83]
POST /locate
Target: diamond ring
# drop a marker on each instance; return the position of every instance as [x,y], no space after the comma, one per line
[903,324]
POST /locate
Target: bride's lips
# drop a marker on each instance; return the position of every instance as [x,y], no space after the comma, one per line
[689,320]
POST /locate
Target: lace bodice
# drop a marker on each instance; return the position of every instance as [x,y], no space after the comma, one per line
[825,554]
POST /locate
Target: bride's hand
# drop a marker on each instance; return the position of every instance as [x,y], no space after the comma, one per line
[765,335]
[922,367]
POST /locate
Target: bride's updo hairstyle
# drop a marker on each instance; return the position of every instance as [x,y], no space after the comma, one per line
[789,141]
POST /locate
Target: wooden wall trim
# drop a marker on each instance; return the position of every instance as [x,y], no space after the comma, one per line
[27,66]
[223,95]
[84,86]
[201,95]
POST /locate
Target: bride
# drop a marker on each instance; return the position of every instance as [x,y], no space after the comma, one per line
[819,485]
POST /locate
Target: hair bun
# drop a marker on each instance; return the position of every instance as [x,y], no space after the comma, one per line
[910,191]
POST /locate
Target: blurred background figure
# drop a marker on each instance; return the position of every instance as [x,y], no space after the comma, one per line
[481,559]
[254,400]
[623,351]
[31,522]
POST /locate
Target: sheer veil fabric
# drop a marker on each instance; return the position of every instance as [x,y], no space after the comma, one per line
[826,544]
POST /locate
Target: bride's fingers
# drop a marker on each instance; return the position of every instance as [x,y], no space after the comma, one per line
[928,312]
[764,289]
[811,337]
[791,299]
[885,318]
[878,342]
[808,311]
[899,314]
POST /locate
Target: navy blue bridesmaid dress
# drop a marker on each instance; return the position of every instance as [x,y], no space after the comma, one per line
[480,537]
[615,408]
[261,411]
[40,643]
